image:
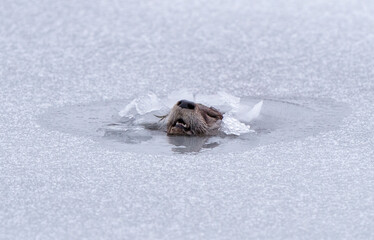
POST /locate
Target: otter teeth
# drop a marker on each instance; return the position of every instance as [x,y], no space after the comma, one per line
[181,124]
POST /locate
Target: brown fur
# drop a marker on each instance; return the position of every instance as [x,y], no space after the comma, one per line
[201,120]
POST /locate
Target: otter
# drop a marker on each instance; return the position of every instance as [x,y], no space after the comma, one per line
[187,118]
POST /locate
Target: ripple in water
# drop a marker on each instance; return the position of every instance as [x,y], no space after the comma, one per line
[131,125]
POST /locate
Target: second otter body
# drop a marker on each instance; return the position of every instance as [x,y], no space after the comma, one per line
[189,118]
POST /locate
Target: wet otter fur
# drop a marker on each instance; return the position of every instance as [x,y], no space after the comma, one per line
[193,119]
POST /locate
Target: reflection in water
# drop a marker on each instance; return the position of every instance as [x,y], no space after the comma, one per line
[186,144]
[136,135]
[129,136]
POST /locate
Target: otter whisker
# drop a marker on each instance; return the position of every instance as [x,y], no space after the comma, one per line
[162,117]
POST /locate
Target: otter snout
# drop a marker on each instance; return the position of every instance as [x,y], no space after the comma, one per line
[186,104]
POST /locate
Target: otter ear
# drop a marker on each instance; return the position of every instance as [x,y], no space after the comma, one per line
[211,112]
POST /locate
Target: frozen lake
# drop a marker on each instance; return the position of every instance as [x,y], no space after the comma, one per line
[307,170]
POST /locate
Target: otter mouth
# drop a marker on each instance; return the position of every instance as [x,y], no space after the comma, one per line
[181,124]
[180,127]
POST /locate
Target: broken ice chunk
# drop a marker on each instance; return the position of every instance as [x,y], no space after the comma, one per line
[142,105]
[233,126]
[245,114]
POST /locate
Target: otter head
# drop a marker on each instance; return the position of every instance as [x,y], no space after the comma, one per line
[189,118]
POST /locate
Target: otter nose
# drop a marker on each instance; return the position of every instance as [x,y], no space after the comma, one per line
[186,104]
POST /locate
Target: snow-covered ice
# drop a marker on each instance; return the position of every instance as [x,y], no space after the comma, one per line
[67,68]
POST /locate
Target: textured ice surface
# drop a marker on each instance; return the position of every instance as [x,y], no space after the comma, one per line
[57,184]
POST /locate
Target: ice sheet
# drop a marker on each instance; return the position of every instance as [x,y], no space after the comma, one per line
[313,179]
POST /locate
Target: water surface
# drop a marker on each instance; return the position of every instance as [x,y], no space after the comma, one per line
[280,120]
